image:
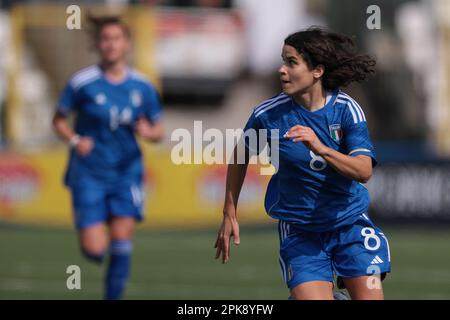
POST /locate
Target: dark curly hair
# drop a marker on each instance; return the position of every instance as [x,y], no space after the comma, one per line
[336,52]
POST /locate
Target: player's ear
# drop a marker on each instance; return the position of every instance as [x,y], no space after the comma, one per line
[318,71]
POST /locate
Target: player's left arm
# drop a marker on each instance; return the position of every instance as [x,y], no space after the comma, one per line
[149,125]
[153,132]
[356,167]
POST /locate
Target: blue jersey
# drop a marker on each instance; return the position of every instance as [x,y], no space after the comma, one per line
[107,112]
[306,190]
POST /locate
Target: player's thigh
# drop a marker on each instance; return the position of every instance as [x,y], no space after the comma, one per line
[303,258]
[89,200]
[362,252]
[313,290]
[94,238]
[125,203]
[90,214]
[364,287]
[121,228]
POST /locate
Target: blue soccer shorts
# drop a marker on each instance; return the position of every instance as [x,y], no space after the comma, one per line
[358,249]
[96,202]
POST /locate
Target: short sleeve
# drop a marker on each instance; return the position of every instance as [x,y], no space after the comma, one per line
[67,100]
[252,137]
[357,139]
[152,104]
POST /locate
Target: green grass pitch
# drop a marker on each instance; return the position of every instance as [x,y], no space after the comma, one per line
[181,265]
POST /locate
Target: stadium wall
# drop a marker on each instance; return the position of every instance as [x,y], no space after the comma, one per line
[191,196]
[176,196]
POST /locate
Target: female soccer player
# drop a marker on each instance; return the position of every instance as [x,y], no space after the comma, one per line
[112,102]
[325,154]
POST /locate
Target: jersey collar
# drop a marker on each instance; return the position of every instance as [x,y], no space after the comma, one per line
[331,97]
[112,83]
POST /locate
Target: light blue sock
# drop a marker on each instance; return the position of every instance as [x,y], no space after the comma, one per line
[118,269]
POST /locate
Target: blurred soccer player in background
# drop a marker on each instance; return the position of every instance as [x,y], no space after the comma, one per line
[112,103]
[325,154]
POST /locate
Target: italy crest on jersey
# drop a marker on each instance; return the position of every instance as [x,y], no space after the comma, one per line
[336,132]
[136,98]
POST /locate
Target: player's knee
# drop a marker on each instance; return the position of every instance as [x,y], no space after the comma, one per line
[313,290]
[122,228]
[94,254]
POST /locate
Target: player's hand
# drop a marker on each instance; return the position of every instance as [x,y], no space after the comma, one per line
[228,229]
[144,128]
[308,137]
[84,146]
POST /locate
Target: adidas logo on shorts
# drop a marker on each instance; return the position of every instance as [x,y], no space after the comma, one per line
[376,260]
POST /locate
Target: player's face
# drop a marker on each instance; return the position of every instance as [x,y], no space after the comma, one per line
[113,43]
[295,75]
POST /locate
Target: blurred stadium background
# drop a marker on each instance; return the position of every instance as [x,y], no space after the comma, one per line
[213,60]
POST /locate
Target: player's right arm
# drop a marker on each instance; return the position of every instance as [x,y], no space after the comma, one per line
[235,179]
[82,145]
[230,226]
[67,102]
